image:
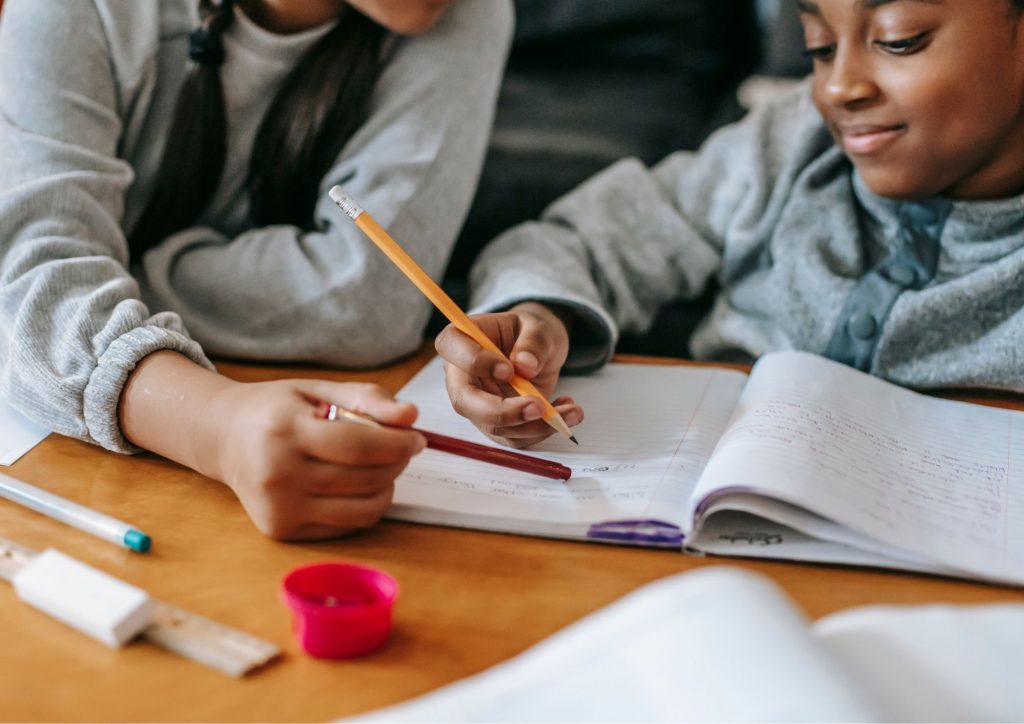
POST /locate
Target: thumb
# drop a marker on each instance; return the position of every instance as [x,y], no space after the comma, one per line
[378,403]
[534,348]
[365,398]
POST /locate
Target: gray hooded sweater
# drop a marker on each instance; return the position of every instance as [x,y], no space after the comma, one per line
[927,293]
[87,90]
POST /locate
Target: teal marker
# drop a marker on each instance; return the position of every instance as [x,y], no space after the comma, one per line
[79,516]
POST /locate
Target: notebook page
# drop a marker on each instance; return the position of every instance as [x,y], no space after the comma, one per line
[647,434]
[938,478]
[716,644]
[933,663]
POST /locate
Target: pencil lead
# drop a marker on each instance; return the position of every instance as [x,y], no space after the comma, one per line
[573,438]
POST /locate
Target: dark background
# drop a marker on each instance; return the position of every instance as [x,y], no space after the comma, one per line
[592,81]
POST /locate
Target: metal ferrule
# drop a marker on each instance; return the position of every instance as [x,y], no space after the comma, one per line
[347,204]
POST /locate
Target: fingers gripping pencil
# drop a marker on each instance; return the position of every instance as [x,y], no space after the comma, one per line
[439,298]
[456,446]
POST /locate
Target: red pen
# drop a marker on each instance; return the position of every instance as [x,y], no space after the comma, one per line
[455,446]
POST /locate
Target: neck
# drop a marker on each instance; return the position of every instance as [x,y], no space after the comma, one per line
[288,16]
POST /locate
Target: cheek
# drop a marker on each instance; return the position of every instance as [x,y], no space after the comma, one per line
[960,99]
[825,109]
[955,122]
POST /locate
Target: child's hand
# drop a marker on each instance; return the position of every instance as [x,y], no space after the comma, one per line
[299,476]
[535,339]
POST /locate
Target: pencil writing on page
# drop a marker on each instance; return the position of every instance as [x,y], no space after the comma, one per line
[457,446]
[408,266]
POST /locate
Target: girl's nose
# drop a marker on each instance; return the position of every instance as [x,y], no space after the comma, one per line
[848,82]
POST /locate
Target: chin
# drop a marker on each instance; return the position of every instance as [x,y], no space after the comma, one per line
[898,186]
[415,24]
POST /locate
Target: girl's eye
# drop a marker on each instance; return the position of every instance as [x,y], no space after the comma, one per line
[819,52]
[904,46]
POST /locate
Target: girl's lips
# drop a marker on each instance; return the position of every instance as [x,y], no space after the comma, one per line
[864,140]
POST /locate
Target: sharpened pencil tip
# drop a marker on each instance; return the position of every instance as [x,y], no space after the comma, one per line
[573,438]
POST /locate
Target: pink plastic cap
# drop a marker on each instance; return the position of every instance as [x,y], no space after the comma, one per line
[339,609]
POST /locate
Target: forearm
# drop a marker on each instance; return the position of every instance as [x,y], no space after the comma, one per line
[167,406]
[287,294]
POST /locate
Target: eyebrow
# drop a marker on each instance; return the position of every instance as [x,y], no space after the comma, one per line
[811,8]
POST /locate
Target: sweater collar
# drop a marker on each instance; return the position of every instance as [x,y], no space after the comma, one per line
[982,220]
[277,47]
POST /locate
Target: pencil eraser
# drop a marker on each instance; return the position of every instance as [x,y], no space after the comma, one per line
[347,203]
[94,602]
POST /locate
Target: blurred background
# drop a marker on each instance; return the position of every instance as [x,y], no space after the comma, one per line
[591,82]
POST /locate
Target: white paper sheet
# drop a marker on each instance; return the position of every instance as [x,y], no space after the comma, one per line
[938,478]
[933,663]
[647,435]
[18,435]
[724,644]
[718,644]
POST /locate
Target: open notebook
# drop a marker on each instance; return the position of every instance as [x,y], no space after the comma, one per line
[721,644]
[803,459]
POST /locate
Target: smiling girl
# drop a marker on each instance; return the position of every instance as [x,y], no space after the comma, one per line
[874,216]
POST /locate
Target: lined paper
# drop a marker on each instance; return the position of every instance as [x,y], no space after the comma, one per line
[647,434]
[940,478]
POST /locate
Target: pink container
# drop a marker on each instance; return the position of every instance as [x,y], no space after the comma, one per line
[339,610]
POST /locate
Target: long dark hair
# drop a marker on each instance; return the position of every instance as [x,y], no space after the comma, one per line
[319,106]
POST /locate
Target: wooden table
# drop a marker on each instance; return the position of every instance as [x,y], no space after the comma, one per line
[468,600]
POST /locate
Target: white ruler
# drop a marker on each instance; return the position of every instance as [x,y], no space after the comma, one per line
[187,634]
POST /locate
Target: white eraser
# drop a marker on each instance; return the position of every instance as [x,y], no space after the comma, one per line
[346,202]
[108,609]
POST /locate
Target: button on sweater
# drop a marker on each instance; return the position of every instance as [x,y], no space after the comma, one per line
[926,294]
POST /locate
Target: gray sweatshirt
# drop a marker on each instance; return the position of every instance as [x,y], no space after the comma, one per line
[86,93]
[927,293]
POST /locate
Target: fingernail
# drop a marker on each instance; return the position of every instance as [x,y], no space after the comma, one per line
[502,371]
[526,359]
[572,418]
[532,412]
[421,443]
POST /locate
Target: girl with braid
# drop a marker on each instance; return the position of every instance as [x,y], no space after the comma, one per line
[162,198]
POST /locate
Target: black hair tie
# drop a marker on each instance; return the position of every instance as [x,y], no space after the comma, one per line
[205,46]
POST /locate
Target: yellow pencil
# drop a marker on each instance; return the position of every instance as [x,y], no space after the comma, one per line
[439,298]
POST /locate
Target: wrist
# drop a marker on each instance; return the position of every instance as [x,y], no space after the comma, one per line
[165,408]
[211,428]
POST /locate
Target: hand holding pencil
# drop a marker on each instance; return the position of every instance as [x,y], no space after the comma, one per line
[536,340]
[455,446]
[474,351]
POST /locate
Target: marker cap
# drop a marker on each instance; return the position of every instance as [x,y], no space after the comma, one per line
[137,540]
[339,610]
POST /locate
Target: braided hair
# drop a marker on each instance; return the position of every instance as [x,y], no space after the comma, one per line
[320,104]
